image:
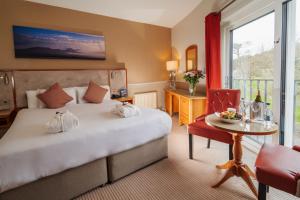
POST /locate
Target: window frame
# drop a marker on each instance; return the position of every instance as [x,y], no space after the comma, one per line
[230,85]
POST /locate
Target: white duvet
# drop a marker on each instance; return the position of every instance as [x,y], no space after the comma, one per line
[28,152]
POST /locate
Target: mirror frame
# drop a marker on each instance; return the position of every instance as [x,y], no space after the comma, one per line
[192,47]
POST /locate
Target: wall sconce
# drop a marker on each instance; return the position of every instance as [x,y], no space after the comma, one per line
[4,78]
[172,67]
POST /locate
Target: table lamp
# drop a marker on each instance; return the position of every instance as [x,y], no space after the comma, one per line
[172,67]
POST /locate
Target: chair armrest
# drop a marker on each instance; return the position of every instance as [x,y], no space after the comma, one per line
[200,118]
[296,148]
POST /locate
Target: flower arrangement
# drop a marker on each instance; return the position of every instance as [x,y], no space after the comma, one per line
[193,77]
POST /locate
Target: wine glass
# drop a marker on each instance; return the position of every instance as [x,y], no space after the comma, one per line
[244,106]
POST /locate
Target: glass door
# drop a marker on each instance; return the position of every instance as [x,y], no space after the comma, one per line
[252,61]
[291,65]
[297,77]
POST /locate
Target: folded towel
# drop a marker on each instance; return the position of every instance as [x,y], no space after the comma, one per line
[126,110]
[62,122]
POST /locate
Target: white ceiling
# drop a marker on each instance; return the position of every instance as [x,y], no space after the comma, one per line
[158,12]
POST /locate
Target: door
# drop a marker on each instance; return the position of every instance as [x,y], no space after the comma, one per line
[252,61]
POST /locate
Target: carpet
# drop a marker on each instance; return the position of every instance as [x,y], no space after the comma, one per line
[178,178]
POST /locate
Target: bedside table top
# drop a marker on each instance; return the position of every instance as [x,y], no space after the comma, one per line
[5,113]
[124,99]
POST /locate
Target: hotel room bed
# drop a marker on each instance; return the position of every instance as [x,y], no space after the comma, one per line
[28,153]
[37,165]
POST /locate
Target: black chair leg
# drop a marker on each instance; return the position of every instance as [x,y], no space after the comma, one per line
[208,143]
[262,191]
[190,146]
[230,152]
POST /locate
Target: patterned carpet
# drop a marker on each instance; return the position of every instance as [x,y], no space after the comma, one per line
[178,178]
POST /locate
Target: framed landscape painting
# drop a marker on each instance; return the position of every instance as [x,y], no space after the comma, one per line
[44,43]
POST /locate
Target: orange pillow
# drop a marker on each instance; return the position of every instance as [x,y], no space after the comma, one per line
[94,93]
[55,97]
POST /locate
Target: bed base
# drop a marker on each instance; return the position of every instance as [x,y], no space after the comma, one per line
[76,181]
[127,162]
[62,186]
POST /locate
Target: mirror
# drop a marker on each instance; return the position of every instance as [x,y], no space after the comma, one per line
[191,60]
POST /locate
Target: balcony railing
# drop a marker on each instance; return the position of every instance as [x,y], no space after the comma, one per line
[249,89]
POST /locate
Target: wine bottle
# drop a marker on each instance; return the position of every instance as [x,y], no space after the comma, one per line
[258,97]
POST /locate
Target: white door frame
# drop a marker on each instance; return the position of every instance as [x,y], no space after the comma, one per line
[290,75]
[246,15]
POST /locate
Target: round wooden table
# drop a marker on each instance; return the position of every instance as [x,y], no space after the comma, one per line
[236,167]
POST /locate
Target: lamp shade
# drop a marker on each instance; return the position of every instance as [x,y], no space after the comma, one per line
[172,65]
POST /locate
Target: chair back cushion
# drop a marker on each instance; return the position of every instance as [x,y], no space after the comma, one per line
[221,99]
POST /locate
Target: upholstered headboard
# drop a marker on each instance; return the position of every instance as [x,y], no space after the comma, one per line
[39,79]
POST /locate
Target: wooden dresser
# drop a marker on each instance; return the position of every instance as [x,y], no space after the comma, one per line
[188,107]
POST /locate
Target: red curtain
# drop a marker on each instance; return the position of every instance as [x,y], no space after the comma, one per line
[213,51]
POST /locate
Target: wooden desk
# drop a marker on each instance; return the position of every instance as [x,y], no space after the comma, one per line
[188,107]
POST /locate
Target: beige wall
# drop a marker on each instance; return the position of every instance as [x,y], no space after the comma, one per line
[191,30]
[143,48]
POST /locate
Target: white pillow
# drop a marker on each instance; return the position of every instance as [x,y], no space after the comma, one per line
[82,90]
[72,93]
[34,102]
[80,93]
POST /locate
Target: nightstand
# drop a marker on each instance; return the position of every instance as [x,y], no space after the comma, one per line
[6,118]
[125,99]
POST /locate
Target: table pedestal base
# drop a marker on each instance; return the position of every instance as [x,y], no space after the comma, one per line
[235,167]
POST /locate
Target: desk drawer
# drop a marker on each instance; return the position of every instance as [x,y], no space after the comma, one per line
[184,106]
[184,112]
[184,120]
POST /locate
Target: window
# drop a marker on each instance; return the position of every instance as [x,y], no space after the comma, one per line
[252,60]
[262,52]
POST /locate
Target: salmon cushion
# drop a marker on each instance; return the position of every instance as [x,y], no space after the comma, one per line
[94,93]
[55,97]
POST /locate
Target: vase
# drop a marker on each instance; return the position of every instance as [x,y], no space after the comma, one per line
[192,89]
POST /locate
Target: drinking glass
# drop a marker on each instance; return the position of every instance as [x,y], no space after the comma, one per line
[244,109]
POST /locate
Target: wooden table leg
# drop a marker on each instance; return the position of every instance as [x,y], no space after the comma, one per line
[236,167]
[227,165]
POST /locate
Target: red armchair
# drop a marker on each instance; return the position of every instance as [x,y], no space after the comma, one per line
[218,100]
[279,167]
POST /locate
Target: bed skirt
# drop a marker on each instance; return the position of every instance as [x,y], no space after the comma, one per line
[76,181]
